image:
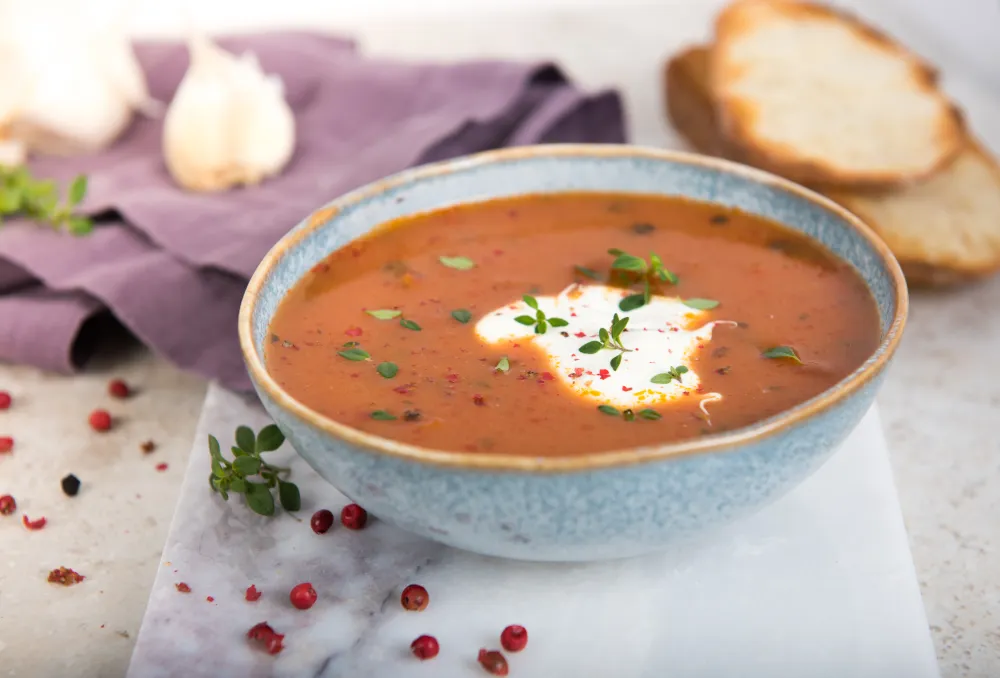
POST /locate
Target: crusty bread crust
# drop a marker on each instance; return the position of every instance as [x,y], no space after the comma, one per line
[738,115]
[691,110]
[689,102]
[936,256]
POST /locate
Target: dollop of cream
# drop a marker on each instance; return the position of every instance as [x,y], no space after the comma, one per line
[661,335]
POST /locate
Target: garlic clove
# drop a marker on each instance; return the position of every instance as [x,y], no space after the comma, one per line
[78,82]
[12,153]
[228,123]
[125,76]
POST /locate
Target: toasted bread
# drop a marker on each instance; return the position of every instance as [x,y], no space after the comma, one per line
[690,105]
[689,102]
[819,97]
[943,231]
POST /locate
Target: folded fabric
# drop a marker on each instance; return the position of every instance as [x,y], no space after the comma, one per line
[171,265]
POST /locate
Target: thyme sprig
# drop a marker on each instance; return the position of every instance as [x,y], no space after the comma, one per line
[629,414]
[786,352]
[38,200]
[649,272]
[234,476]
[674,373]
[610,339]
[540,321]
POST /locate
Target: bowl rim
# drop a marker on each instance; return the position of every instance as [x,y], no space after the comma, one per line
[721,442]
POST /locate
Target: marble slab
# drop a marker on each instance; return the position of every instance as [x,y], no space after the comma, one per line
[819,584]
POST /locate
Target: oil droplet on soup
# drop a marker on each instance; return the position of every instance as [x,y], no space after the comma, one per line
[422,331]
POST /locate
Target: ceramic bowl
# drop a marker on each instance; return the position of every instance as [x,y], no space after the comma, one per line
[592,507]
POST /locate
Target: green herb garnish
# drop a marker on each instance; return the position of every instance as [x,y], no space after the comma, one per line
[382,415]
[540,321]
[503,365]
[782,352]
[385,314]
[409,324]
[674,373]
[461,315]
[650,272]
[38,200]
[458,263]
[354,354]
[234,476]
[628,414]
[387,370]
[587,272]
[632,302]
[701,304]
[609,339]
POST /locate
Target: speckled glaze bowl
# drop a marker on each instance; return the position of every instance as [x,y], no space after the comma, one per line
[591,507]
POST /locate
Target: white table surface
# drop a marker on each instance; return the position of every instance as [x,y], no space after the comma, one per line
[938,405]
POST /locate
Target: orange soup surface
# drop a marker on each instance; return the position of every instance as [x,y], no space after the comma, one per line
[492,327]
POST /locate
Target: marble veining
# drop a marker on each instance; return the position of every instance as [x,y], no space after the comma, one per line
[820,584]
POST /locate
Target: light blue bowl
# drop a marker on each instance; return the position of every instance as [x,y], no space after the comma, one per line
[599,506]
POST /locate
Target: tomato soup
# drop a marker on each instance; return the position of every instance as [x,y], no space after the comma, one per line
[562,324]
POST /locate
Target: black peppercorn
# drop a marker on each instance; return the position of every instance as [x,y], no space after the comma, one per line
[71,485]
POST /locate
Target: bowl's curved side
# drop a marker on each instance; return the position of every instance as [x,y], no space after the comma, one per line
[572,168]
[576,516]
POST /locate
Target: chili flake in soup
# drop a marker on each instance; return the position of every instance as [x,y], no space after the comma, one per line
[562,324]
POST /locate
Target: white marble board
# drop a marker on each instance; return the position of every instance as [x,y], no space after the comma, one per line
[819,584]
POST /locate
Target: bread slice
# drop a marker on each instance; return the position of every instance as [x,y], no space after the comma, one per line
[818,97]
[690,105]
[943,231]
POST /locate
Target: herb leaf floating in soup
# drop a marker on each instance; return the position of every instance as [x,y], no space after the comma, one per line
[628,414]
[355,354]
[387,370]
[649,273]
[481,376]
[458,263]
[385,314]
[587,272]
[701,304]
[782,352]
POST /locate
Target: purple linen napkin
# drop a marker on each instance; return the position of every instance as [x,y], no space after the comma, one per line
[171,265]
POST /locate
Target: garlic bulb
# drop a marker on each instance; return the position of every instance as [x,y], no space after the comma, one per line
[71,85]
[228,123]
[12,152]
